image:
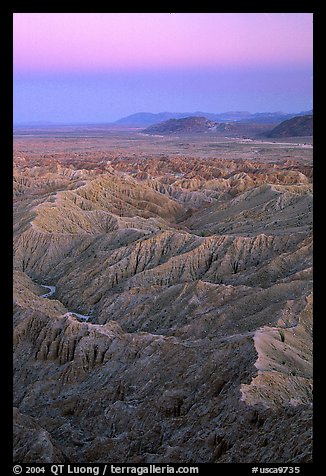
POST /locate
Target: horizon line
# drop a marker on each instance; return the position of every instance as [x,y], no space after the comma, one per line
[114,122]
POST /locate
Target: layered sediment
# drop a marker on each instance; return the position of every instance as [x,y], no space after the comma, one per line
[197,280]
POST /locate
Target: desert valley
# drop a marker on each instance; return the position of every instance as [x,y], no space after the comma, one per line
[163,293]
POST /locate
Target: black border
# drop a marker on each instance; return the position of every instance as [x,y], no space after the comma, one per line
[6,31]
[6,237]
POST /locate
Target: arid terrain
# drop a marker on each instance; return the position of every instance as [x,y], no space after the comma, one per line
[162,297]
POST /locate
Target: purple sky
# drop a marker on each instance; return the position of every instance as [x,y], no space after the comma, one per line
[89,67]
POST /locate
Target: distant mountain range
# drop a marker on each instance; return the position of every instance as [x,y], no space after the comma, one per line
[143,119]
[146,119]
[190,125]
[296,126]
[196,125]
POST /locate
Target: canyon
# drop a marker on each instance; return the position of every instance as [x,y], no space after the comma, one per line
[162,298]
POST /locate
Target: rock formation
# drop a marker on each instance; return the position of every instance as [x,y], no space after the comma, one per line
[294,127]
[197,275]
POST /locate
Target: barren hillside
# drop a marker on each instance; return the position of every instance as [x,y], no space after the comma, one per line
[296,126]
[179,325]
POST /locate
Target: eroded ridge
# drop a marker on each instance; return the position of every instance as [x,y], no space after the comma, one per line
[195,276]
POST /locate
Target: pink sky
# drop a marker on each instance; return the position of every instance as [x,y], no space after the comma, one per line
[95,42]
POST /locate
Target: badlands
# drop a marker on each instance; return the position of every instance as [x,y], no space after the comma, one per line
[162,298]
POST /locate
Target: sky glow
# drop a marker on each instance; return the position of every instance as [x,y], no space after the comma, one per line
[112,64]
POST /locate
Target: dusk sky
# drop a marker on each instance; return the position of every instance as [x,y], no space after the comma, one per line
[99,67]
